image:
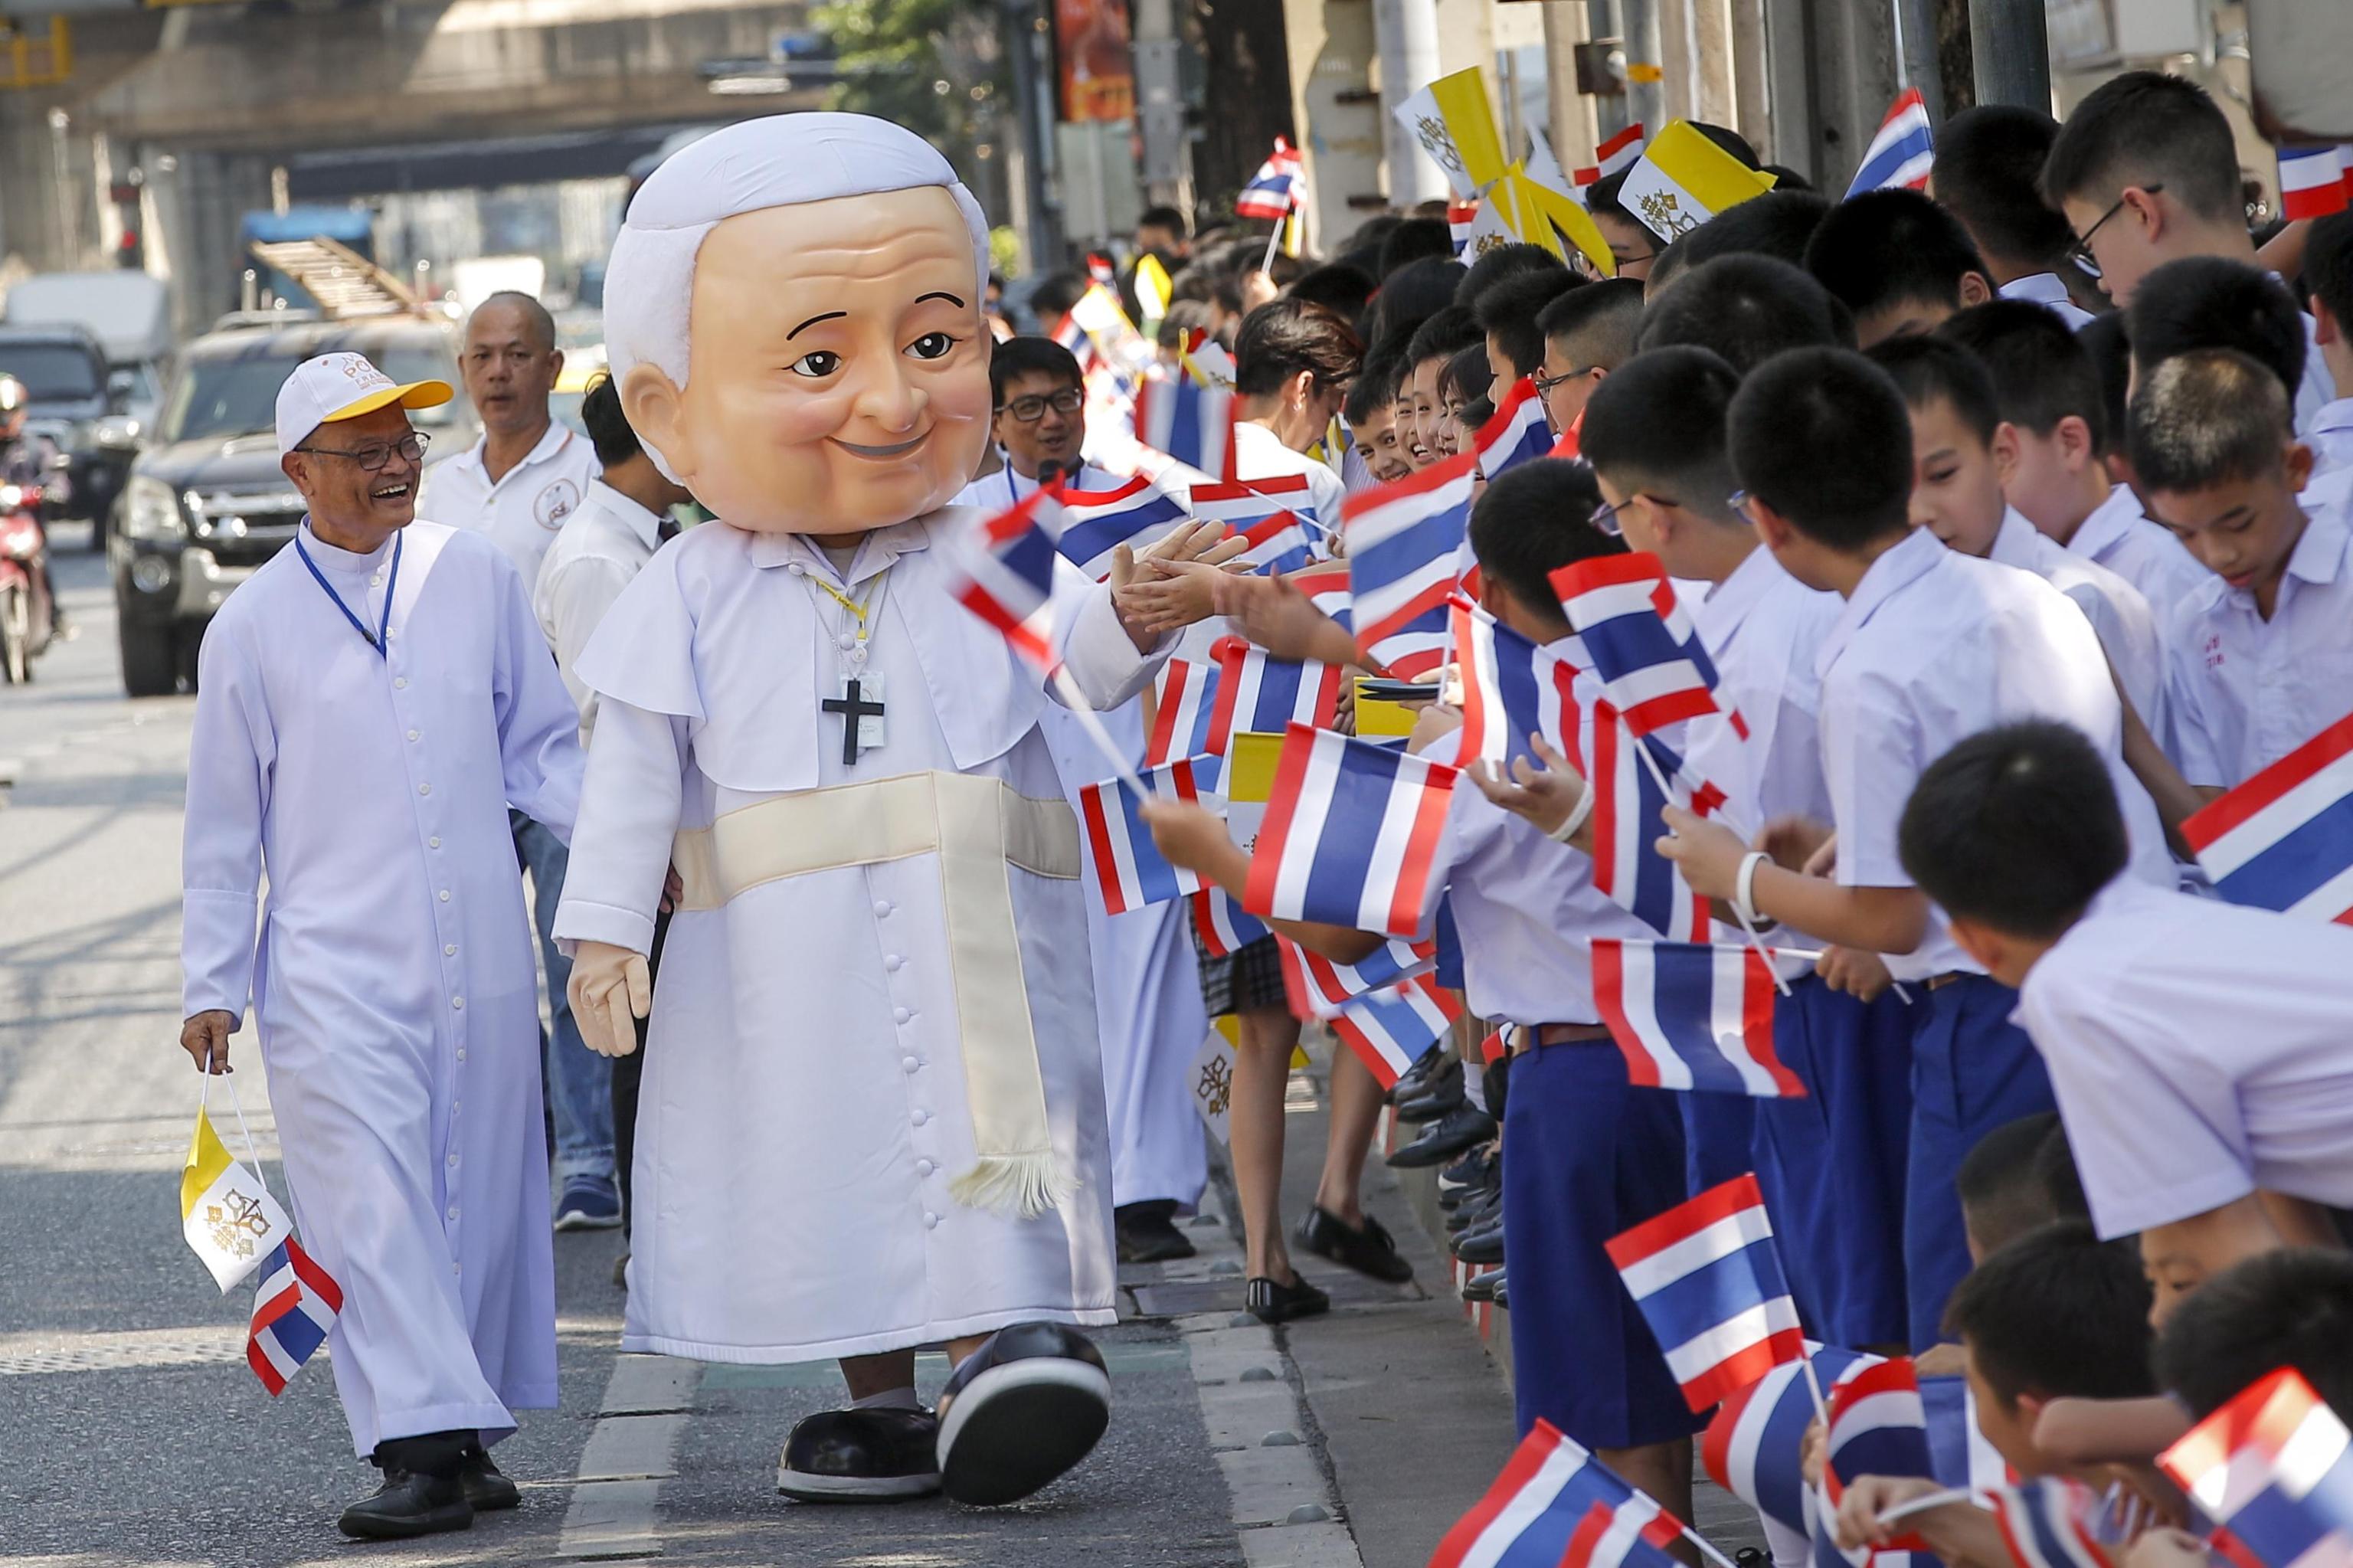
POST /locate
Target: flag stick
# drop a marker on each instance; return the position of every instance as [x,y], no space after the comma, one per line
[1922,1504]
[1659,776]
[1705,1545]
[1267,260]
[1075,701]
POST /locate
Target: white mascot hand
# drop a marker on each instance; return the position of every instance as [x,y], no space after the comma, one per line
[610,988]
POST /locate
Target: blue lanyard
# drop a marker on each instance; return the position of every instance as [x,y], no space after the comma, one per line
[391,585]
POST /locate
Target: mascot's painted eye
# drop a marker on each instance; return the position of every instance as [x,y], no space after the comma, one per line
[932,345]
[818,364]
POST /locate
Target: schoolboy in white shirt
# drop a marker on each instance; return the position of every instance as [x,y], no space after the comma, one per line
[2197,1048]
[2261,660]
[2328,273]
[1932,646]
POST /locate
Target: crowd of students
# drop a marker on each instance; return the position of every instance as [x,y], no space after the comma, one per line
[2013,516]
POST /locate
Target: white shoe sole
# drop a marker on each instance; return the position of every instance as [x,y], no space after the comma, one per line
[855,1489]
[1019,1428]
[574,1220]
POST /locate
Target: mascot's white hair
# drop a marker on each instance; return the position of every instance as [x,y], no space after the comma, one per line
[778,161]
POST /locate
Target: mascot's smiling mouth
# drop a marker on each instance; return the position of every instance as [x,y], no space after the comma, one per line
[901,449]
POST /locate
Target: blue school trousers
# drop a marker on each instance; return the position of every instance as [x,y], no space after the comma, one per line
[1832,1163]
[1972,1070]
[1591,1156]
[1719,1139]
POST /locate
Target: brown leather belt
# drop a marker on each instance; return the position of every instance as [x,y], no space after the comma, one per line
[1529,1038]
[1938,982]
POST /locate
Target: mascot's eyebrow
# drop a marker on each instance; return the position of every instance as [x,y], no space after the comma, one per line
[829,316]
[940,295]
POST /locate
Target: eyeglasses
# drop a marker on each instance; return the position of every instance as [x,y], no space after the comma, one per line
[2082,252]
[1545,384]
[1606,521]
[1030,410]
[373,459]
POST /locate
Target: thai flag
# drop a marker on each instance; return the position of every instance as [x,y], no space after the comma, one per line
[1516,434]
[1281,545]
[1223,927]
[1276,189]
[1318,988]
[1259,693]
[1389,1029]
[1326,588]
[1692,1016]
[1710,1284]
[2283,838]
[1129,868]
[1460,217]
[1902,150]
[2273,1466]
[1878,1426]
[1242,504]
[1642,645]
[2312,182]
[1096,522]
[1627,805]
[1636,1533]
[1404,541]
[294,1309]
[1191,422]
[1529,1515]
[1512,688]
[1351,835]
[1822,1509]
[1614,155]
[1183,699]
[1073,336]
[2052,1522]
[1008,577]
[1752,1447]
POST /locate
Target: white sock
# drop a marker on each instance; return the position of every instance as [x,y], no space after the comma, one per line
[888,1399]
[1474,1088]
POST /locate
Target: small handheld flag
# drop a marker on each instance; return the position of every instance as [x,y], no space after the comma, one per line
[1878,1426]
[1627,807]
[1614,156]
[1692,1016]
[1516,434]
[1451,120]
[1512,688]
[293,1309]
[1319,988]
[1259,693]
[1901,151]
[1008,577]
[2273,1466]
[1535,1507]
[1241,504]
[226,1214]
[1752,1447]
[1460,217]
[1276,189]
[1184,697]
[2312,182]
[1683,179]
[1709,1283]
[1404,546]
[1186,420]
[2283,838]
[1643,647]
[2051,1521]
[1351,835]
[1635,1533]
[1095,522]
[1130,871]
[1389,1029]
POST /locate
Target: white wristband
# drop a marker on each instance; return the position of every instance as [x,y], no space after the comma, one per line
[1743,889]
[1582,809]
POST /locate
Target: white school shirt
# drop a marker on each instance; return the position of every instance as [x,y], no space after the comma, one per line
[525,509]
[2318,387]
[2330,437]
[2244,691]
[2049,291]
[2198,1052]
[598,550]
[1934,647]
[2120,536]
[1259,453]
[1525,908]
[2119,613]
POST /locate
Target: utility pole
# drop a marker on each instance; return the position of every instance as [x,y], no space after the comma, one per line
[1033,101]
[1160,104]
[1646,97]
[2011,51]
[1404,38]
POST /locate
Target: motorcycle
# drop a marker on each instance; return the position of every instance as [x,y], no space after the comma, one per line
[28,617]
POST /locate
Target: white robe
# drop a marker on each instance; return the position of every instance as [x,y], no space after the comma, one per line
[392,985]
[804,1107]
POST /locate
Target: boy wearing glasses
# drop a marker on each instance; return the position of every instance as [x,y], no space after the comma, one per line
[2147,173]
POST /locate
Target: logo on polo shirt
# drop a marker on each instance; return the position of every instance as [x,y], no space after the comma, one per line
[555,503]
[2214,651]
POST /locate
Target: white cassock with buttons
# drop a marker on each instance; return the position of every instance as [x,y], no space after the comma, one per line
[392,982]
[865,954]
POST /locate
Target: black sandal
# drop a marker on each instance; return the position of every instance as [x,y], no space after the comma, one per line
[1271,1302]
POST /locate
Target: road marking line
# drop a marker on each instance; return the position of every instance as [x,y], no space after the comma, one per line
[615,1510]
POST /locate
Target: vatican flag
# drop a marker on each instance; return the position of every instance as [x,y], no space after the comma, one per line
[226,1211]
[1683,179]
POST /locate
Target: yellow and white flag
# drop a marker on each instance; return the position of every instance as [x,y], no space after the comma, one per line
[226,1214]
[1456,126]
[1683,179]
[1152,287]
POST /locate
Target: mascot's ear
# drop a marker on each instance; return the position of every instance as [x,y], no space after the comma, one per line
[651,401]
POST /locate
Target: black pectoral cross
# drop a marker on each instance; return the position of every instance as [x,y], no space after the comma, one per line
[854,710]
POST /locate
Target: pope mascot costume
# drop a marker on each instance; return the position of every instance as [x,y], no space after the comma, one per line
[873,1116]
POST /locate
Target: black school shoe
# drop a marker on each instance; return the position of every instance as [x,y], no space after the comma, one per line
[1271,1302]
[1370,1250]
[1147,1233]
[1415,1080]
[486,1485]
[1022,1410]
[1483,1247]
[861,1456]
[1464,1127]
[409,1503]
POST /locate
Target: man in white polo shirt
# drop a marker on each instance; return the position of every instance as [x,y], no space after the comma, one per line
[517,485]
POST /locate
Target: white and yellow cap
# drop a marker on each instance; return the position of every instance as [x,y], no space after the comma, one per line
[343,386]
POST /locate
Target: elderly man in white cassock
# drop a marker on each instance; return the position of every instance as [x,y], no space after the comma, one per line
[370,704]
[873,1116]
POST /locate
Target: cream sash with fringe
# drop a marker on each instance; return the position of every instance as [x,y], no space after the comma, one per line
[978,827]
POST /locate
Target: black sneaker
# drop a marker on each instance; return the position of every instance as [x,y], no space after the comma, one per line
[1466,1177]
[861,1456]
[1272,1301]
[486,1487]
[1147,1233]
[409,1503]
[1369,1250]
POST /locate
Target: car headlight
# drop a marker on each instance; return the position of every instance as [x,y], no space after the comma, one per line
[150,510]
[117,431]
